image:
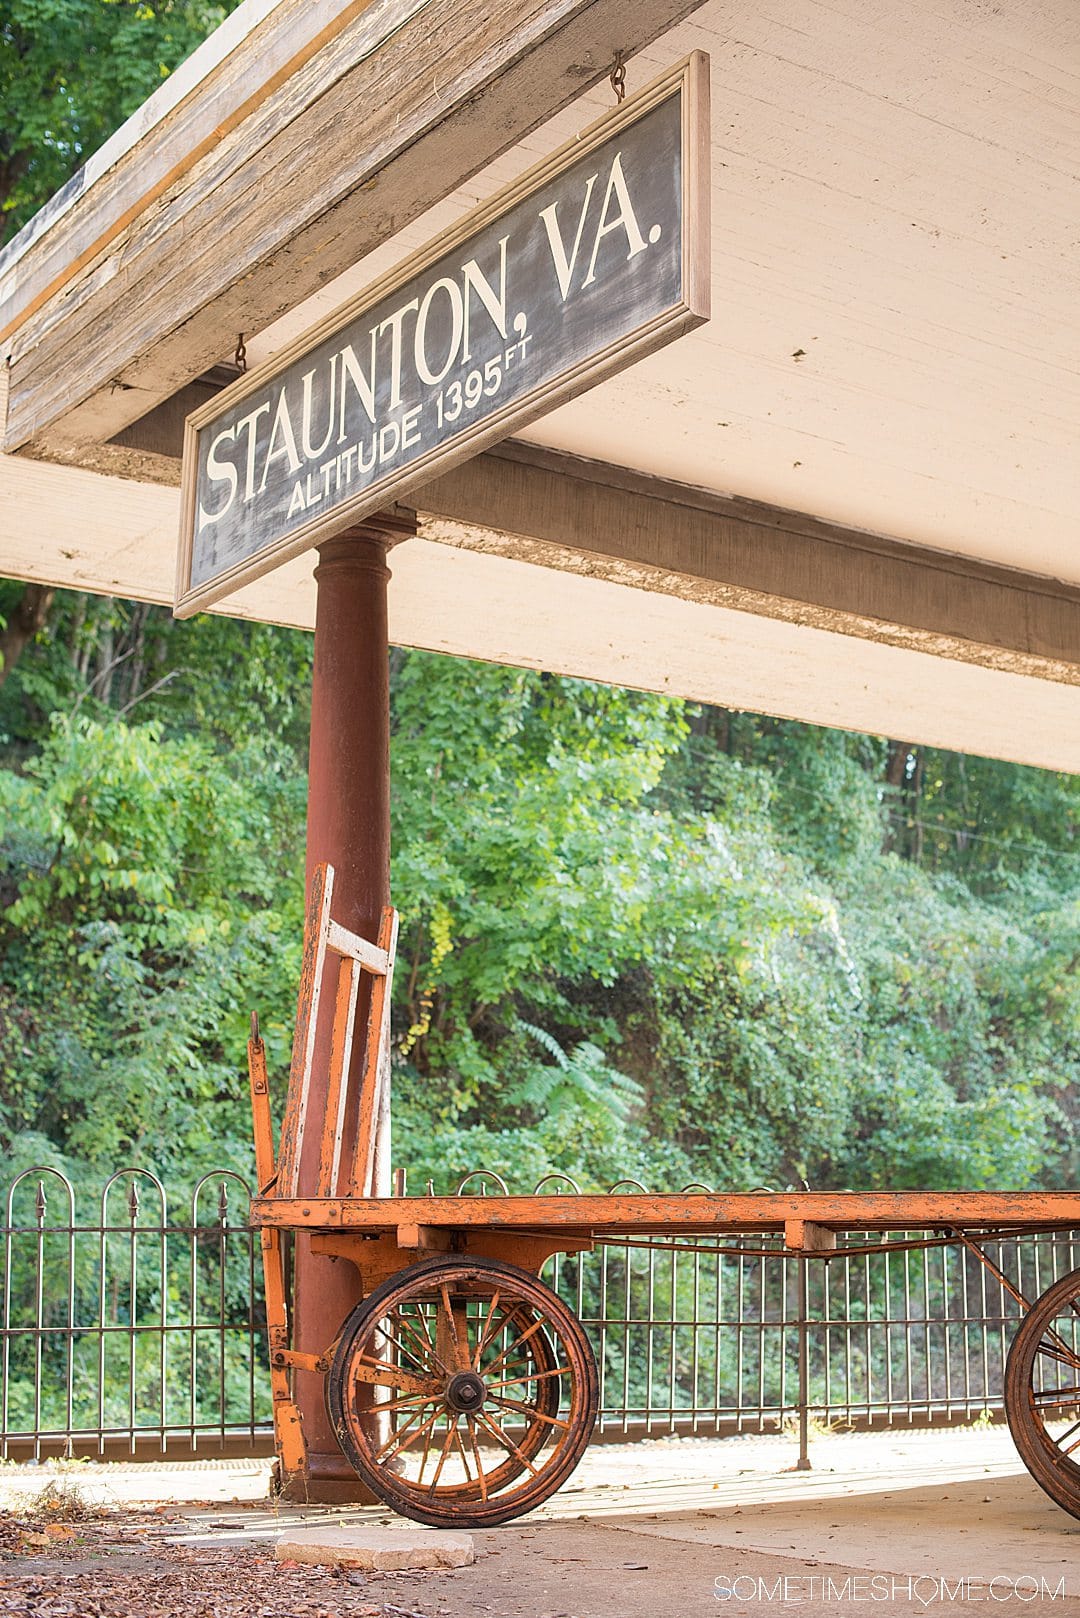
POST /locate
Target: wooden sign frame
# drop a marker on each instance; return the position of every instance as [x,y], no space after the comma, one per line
[690,80]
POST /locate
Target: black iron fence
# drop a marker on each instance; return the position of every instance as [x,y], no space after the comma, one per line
[131,1327]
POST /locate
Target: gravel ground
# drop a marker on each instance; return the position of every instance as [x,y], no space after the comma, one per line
[62,1559]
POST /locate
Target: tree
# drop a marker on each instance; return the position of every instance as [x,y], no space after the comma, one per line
[71,71]
[27,619]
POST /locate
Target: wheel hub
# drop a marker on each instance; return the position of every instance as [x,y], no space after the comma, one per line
[465,1392]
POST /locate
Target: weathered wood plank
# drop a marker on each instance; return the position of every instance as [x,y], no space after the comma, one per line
[369,956]
[295,1120]
[337,1089]
[235,163]
[375,1078]
[317,175]
[202,101]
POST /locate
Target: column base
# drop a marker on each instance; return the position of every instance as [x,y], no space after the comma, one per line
[330,1481]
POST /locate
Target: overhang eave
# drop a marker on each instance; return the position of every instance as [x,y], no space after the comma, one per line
[319,134]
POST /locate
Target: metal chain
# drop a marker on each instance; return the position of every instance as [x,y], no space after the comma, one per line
[240,357]
[618,78]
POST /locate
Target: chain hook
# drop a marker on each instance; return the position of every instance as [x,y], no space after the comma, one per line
[618,78]
[240,357]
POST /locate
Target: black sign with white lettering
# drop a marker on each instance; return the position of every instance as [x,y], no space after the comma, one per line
[596,257]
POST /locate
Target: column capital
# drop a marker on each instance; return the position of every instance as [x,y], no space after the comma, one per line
[366,543]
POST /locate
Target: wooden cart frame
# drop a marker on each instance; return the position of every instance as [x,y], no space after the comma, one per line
[462,1389]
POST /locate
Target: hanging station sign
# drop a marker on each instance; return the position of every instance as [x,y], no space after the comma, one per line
[596,257]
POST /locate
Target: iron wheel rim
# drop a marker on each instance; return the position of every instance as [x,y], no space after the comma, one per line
[1042,1378]
[444,1454]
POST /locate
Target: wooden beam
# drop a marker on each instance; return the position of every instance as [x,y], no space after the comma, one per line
[423,1238]
[600,522]
[803,1236]
[161,431]
[584,517]
[144,290]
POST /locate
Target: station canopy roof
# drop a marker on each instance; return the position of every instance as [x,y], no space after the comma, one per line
[852,497]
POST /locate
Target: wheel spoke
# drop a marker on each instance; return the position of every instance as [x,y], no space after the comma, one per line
[407,1399]
[426,1345]
[509,1318]
[461,1452]
[402,1348]
[1061,1438]
[502,1438]
[513,1355]
[397,1438]
[448,1445]
[499,1358]
[1059,1351]
[366,1368]
[486,1334]
[423,1431]
[530,1376]
[451,1323]
[481,1475]
[424,1457]
[531,1412]
[422,1317]
[1068,1395]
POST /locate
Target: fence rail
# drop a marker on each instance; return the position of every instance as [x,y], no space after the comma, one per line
[132,1331]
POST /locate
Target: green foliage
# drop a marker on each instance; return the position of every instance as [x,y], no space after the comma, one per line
[101,656]
[971,1047]
[581,1078]
[638,938]
[155,896]
[70,72]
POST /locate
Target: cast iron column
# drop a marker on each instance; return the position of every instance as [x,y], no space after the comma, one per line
[349,826]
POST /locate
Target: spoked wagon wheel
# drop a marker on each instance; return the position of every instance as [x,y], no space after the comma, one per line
[1042,1391]
[487,1392]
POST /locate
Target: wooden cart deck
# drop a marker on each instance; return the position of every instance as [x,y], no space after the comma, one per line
[478,1383]
[677,1213]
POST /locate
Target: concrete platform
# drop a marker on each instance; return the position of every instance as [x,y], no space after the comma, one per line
[976,1532]
[902,1520]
